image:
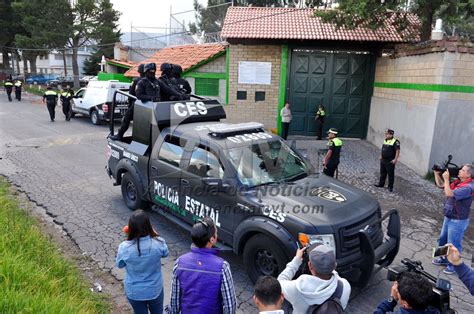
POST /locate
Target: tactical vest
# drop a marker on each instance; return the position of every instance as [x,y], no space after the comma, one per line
[389,149]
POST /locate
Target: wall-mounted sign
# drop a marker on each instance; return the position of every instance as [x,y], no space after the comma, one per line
[255,72]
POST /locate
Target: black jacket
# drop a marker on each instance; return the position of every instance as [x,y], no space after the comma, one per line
[169,91]
[148,90]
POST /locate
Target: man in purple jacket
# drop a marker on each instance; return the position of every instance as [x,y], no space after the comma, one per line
[465,273]
[202,281]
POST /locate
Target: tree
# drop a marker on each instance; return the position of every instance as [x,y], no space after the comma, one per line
[374,14]
[7,34]
[106,35]
[42,27]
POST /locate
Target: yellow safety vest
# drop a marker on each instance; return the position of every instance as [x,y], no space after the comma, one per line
[50,92]
[8,84]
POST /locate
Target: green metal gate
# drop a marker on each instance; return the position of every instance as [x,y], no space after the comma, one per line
[340,80]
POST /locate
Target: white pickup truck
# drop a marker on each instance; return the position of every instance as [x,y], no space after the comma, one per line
[94,100]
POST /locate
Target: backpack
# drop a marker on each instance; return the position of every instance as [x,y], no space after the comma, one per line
[330,306]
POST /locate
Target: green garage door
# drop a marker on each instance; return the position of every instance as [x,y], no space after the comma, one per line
[339,80]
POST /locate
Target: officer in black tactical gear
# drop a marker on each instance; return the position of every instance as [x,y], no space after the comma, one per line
[145,88]
[182,84]
[169,91]
[128,116]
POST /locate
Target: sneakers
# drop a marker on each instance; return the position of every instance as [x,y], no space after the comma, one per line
[449,270]
[440,261]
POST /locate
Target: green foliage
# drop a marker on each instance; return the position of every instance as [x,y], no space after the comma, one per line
[106,34]
[34,277]
[373,14]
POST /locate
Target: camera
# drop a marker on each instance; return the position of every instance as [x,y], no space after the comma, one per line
[447,165]
[441,287]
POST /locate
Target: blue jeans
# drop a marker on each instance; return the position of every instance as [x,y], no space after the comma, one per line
[155,306]
[453,232]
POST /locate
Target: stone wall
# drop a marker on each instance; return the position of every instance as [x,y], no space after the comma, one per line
[247,110]
[427,122]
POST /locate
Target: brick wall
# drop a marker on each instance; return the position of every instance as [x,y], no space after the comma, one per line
[215,66]
[248,110]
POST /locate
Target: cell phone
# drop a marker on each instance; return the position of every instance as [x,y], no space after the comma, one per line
[440,251]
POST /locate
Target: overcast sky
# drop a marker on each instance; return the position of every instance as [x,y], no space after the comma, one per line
[152,13]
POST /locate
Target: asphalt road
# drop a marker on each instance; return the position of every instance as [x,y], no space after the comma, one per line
[60,166]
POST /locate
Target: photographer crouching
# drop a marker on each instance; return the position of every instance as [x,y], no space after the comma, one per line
[412,292]
[457,206]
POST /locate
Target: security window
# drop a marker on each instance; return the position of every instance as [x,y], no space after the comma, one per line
[241,95]
[171,151]
[259,96]
[205,164]
[207,86]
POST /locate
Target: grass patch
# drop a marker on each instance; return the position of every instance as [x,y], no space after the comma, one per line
[34,277]
[35,90]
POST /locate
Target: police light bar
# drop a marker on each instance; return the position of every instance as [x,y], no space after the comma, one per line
[221,130]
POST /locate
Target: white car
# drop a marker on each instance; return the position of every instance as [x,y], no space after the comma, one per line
[94,101]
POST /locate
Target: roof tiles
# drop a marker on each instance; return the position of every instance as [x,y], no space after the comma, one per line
[291,23]
[186,56]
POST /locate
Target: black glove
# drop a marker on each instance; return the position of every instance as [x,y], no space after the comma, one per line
[156,99]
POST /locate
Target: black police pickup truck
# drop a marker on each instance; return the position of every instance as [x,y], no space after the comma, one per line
[265,198]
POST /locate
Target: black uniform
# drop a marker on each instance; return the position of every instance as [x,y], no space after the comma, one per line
[66,103]
[389,151]
[128,116]
[51,98]
[169,91]
[18,85]
[148,89]
[9,88]
[335,146]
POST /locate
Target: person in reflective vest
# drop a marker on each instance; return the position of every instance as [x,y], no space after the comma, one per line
[66,97]
[320,115]
[331,160]
[18,85]
[51,98]
[388,159]
[9,87]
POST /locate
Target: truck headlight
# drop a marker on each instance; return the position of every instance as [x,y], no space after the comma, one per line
[309,239]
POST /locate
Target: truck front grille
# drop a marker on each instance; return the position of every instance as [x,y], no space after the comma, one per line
[349,236]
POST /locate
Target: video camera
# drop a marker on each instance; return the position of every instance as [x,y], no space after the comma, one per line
[447,165]
[441,287]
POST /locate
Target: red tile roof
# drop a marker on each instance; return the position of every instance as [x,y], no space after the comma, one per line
[186,56]
[291,23]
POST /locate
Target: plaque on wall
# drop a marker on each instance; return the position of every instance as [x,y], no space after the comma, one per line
[255,72]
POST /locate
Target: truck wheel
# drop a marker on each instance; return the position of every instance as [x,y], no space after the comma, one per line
[95,117]
[263,257]
[131,194]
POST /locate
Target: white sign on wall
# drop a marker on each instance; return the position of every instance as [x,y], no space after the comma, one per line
[255,72]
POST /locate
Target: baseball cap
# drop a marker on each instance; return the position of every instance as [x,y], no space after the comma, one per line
[323,259]
[332,130]
[389,131]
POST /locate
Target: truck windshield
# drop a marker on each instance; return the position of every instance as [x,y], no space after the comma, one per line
[266,163]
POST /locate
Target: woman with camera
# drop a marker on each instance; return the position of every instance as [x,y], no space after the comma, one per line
[141,255]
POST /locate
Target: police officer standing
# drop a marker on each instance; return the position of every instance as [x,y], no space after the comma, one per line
[320,115]
[331,160]
[66,97]
[388,159]
[182,84]
[51,98]
[18,85]
[128,116]
[9,87]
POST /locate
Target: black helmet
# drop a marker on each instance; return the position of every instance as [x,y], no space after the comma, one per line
[141,68]
[150,67]
[166,67]
[177,69]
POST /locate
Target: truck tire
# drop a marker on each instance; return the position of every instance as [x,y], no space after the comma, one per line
[131,193]
[95,117]
[263,257]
